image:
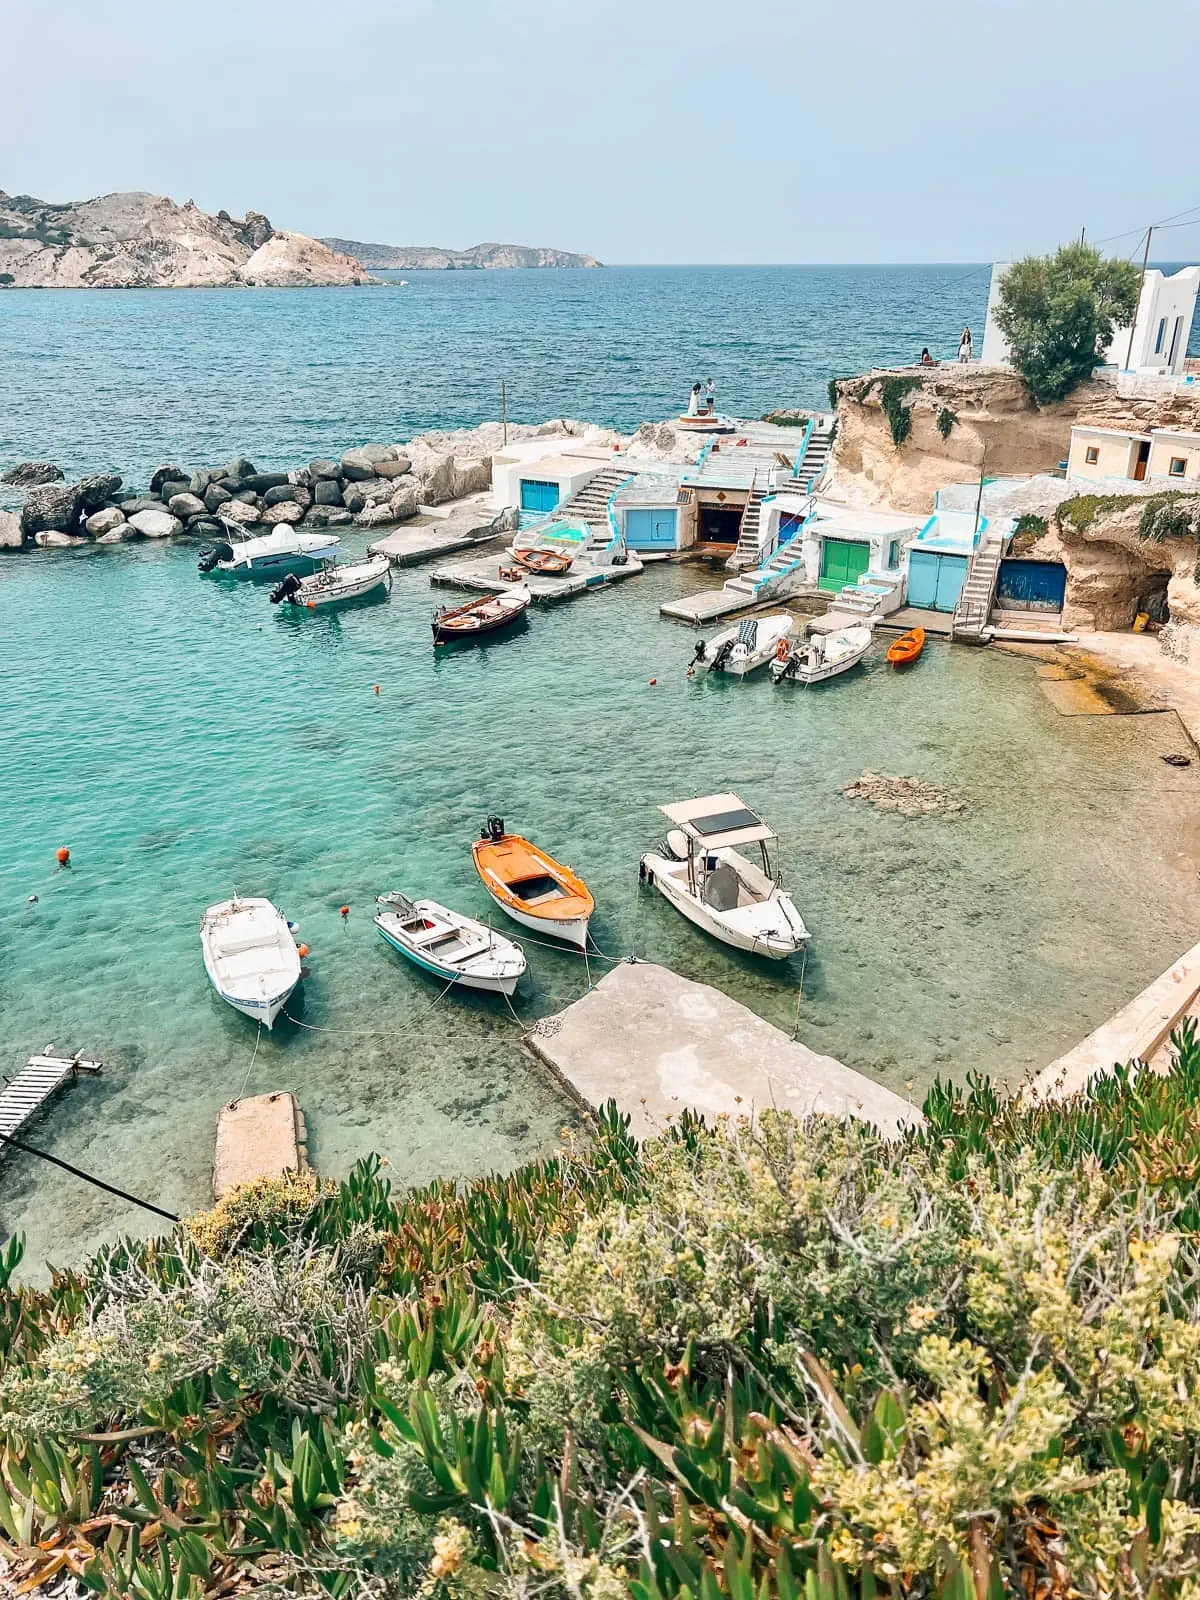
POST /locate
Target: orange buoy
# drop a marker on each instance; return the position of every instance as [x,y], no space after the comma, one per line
[376,688]
[302,951]
[62,855]
[311,604]
[653,681]
[345,911]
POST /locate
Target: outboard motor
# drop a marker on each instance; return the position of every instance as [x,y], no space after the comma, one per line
[212,553]
[723,655]
[494,830]
[700,651]
[287,589]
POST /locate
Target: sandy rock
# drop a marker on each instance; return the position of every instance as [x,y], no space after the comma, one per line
[909,796]
[55,539]
[114,535]
[660,441]
[102,522]
[12,536]
[393,469]
[375,516]
[155,524]
[185,505]
[360,464]
[54,508]
[294,261]
[32,474]
[403,504]
[241,511]
[285,511]
[327,492]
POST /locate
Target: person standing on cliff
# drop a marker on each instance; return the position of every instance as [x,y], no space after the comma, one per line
[694,401]
[710,398]
[965,345]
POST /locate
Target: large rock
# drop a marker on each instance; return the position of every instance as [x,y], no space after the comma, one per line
[185,506]
[200,482]
[393,469]
[327,492]
[241,511]
[115,535]
[278,494]
[241,467]
[403,503]
[361,463]
[446,476]
[155,524]
[294,261]
[95,490]
[172,487]
[260,482]
[354,497]
[215,497]
[338,518]
[12,535]
[375,516]
[32,474]
[141,502]
[55,539]
[102,522]
[301,477]
[285,511]
[166,474]
[205,528]
[325,469]
[54,508]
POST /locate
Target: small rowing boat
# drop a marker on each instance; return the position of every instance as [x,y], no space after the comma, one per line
[452,947]
[485,615]
[549,563]
[907,647]
[826,655]
[334,584]
[250,956]
[533,888]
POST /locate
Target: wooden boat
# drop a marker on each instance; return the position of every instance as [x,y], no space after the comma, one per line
[485,615]
[907,647]
[250,956]
[452,947]
[550,563]
[533,888]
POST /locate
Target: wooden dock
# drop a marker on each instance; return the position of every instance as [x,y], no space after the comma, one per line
[23,1097]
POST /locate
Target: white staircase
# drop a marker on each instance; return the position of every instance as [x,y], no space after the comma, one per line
[591,503]
[978,593]
[760,582]
[811,466]
[748,550]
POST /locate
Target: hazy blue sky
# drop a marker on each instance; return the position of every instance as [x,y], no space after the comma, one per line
[716,130]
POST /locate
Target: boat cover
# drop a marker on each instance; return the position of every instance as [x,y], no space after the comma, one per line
[720,820]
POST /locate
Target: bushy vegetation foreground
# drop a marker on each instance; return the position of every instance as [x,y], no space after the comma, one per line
[776,1362]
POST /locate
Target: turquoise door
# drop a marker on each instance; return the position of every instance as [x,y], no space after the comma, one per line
[537,495]
[650,528]
[935,581]
[789,526]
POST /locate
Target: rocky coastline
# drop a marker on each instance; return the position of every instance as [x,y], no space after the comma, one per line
[370,486]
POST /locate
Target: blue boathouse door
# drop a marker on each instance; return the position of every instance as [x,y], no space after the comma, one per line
[650,528]
[537,495]
[935,581]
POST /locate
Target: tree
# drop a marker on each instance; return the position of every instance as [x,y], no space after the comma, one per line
[1058,312]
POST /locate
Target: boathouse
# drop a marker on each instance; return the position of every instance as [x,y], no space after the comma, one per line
[1169,454]
[538,476]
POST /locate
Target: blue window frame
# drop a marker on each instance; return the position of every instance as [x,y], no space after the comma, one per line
[1162,331]
[538,495]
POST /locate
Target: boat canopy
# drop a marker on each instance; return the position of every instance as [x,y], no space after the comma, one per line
[718,821]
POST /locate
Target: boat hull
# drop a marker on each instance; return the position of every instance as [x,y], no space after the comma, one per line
[322,596]
[569,930]
[488,985]
[258,994]
[773,946]
[264,1011]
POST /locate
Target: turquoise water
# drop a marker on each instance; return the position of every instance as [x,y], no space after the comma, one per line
[184,738]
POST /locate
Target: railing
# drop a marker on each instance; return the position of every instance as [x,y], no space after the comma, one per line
[615,544]
[808,432]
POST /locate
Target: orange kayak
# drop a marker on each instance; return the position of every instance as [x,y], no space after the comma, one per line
[907,647]
[531,886]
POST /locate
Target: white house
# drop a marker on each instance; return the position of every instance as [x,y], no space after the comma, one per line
[541,474]
[1164,455]
[1161,327]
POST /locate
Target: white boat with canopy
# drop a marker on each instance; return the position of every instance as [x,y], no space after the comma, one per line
[284,549]
[447,944]
[744,648]
[250,956]
[699,868]
[823,656]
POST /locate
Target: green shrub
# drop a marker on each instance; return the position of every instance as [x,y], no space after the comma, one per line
[892,392]
[1164,518]
[947,420]
[1058,313]
[1030,522]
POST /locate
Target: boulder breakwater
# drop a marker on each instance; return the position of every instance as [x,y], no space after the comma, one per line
[370,486]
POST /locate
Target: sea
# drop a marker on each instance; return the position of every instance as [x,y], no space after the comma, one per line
[184,740]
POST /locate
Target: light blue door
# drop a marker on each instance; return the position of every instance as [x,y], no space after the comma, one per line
[650,528]
[537,495]
[935,581]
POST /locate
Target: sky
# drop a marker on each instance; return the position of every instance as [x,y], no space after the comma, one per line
[660,132]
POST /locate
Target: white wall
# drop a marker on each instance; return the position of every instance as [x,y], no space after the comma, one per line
[995,345]
[546,463]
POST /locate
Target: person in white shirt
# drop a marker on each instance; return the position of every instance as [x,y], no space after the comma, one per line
[694,401]
[965,345]
[710,397]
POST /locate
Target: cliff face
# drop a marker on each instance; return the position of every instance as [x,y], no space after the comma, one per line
[395,257]
[991,408]
[145,241]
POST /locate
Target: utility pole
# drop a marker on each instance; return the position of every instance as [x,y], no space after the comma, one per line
[504,409]
[979,494]
[1141,281]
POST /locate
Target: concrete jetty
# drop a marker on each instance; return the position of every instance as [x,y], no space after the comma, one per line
[659,1044]
[262,1136]
[438,532]
[483,572]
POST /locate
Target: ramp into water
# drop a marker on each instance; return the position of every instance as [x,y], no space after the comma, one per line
[262,1136]
[42,1076]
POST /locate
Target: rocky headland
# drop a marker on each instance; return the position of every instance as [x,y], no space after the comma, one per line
[145,241]
[419,258]
[370,486]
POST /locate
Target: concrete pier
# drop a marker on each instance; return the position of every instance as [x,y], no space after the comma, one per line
[437,533]
[659,1044]
[478,572]
[262,1136]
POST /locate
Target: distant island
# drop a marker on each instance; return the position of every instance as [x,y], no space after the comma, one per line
[417,257]
[146,241]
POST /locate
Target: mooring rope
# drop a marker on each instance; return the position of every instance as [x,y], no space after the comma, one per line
[372,1033]
[250,1068]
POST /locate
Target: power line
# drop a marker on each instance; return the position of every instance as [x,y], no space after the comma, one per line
[78,1172]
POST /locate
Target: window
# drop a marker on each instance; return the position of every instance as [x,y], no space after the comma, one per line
[1162,330]
[893,560]
[1178,466]
[1175,341]
[1093,455]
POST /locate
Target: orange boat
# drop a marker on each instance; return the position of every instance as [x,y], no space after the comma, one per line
[533,888]
[907,647]
[552,562]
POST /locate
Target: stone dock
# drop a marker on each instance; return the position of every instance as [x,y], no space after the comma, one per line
[262,1136]
[659,1044]
[483,572]
[436,533]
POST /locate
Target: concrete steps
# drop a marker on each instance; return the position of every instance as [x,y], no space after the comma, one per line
[978,592]
[591,502]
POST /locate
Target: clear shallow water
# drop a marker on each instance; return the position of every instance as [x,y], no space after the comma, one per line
[122,381]
[183,738]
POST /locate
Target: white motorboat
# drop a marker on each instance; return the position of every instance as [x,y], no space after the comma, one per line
[250,956]
[700,870]
[452,947]
[745,647]
[824,655]
[334,584]
[284,549]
